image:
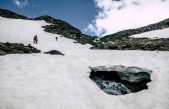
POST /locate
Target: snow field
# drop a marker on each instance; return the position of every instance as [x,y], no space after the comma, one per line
[42,81]
[162,33]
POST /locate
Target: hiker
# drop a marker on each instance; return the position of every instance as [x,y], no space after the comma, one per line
[56,38]
[35,39]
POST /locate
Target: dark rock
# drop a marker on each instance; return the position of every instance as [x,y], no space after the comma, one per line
[119,80]
[17,48]
[54,52]
[34,50]
[17,52]
[5,48]
[2,52]
[7,44]
[161,44]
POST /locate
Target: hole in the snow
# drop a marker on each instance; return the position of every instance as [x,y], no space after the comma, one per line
[120,80]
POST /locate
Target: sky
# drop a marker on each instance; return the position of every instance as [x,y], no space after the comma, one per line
[95,17]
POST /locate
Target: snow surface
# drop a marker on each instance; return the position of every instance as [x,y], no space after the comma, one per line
[43,81]
[162,33]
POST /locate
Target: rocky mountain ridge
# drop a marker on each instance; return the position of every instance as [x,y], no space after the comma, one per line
[16,48]
[65,29]
[161,44]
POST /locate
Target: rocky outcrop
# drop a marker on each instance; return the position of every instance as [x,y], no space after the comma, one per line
[161,44]
[9,14]
[16,48]
[54,52]
[120,80]
[65,29]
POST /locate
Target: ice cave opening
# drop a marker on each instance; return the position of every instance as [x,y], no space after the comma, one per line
[120,80]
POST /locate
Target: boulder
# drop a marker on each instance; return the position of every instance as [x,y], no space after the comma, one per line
[2,52]
[33,50]
[54,52]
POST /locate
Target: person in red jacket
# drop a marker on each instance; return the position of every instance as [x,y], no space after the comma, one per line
[35,39]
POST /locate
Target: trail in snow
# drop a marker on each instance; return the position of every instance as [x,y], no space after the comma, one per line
[41,81]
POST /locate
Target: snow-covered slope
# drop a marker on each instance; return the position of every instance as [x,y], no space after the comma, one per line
[41,81]
[22,31]
[163,33]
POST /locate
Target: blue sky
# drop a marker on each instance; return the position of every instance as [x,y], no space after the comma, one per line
[78,13]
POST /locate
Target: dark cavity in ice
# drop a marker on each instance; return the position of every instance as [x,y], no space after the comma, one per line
[120,80]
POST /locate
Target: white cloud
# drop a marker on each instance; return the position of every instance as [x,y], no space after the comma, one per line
[117,15]
[21,3]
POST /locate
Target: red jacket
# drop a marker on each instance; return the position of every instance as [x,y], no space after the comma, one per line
[35,37]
